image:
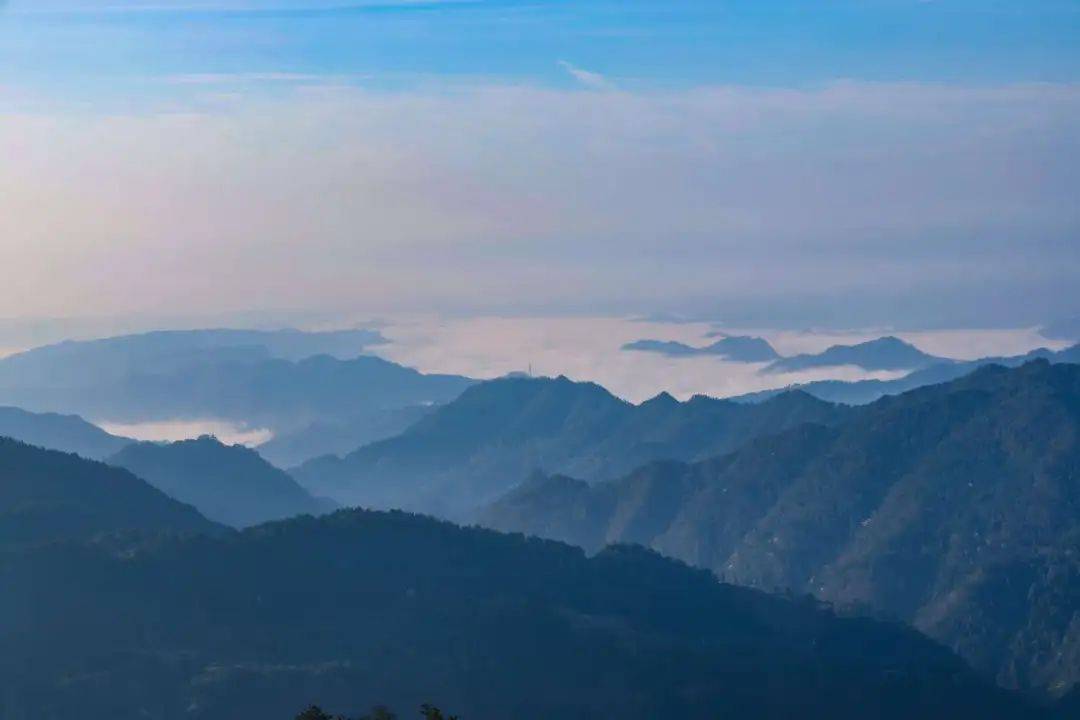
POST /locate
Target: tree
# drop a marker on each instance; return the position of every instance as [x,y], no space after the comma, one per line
[379,712]
[433,713]
[315,713]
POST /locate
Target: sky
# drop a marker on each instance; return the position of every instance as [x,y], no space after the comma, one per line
[782,164]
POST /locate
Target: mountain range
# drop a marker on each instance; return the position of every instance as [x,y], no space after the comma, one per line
[228,484]
[46,496]
[359,608]
[954,507]
[497,433]
[340,435]
[730,347]
[860,392]
[67,433]
[254,379]
[886,353]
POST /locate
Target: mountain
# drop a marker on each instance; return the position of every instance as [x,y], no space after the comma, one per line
[340,436]
[887,353]
[47,495]
[954,507]
[360,607]
[730,347]
[861,392]
[179,376]
[496,434]
[87,368]
[162,351]
[67,433]
[228,484]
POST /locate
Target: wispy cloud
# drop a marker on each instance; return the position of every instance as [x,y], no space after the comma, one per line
[589,79]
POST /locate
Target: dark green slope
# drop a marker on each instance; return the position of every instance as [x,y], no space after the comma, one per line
[47,495]
[228,484]
[697,511]
[498,433]
[362,607]
[955,507]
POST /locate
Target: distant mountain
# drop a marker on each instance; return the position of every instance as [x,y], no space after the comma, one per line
[361,607]
[730,347]
[228,484]
[340,436]
[861,392]
[177,376]
[47,495]
[97,364]
[163,351]
[67,433]
[497,433]
[955,507]
[887,353]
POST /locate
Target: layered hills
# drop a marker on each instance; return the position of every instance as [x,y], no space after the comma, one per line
[287,382]
[67,433]
[954,507]
[497,433]
[359,608]
[228,484]
[46,496]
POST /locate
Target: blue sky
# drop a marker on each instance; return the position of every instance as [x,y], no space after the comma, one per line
[852,162]
[45,43]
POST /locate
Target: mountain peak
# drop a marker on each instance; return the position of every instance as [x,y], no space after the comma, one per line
[733,348]
[231,484]
[663,399]
[884,353]
[49,495]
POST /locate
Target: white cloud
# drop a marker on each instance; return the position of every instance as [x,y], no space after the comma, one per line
[588,348]
[588,79]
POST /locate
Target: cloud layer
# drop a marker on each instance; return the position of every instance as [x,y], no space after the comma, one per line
[585,348]
[851,202]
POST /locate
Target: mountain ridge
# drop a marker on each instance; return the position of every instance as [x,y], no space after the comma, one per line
[362,607]
[48,496]
[232,485]
[916,506]
[66,433]
[282,381]
[498,432]
[884,353]
[734,348]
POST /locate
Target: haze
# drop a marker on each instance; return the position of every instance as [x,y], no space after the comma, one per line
[762,165]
